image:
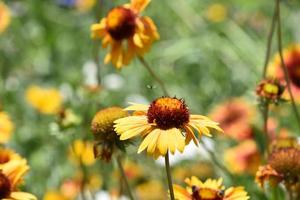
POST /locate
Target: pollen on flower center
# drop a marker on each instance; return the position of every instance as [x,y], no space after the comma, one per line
[206,194]
[121,23]
[4,186]
[168,113]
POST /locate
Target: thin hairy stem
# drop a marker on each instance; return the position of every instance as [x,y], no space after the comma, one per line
[283,65]
[169,176]
[154,75]
[269,43]
[124,177]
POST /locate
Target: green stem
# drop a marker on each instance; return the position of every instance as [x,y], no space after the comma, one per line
[124,177]
[168,169]
[283,65]
[216,161]
[153,74]
[269,43]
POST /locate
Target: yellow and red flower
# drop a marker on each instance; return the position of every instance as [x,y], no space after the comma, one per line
[292,62]
[126,32]
[244,158]
[11,175]
[4,17]
[208,190]
[235,118]
[165,125]
[6,127]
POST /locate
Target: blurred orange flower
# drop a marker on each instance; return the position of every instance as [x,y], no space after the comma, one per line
[6,127]
[244,158]
[235,117]
[46,101]
[292,61]
[4,17]
[128,33]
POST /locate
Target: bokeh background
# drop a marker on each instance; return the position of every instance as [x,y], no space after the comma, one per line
[209,52]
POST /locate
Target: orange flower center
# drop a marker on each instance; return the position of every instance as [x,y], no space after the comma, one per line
[121,23]
[5,186]
[168,113]
[293,66]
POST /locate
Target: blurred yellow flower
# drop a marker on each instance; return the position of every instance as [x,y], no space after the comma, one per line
[216,12]
[210,190]
[82,152]
[151,190]
[46,101]
[4,17]
[54,195]
[165,125]
[85,5]
[11,175]
[128,33]
[8,155]
[267,173]
[6,127]
[244,158]
[292,61]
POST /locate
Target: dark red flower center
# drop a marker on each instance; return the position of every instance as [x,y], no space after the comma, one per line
[293,66]
[206,194]
[5,186]
[168,113]
[121,23]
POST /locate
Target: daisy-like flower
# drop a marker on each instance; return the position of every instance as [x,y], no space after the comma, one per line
[8,155]
[291,56]
[267,173]
[46,101]
[6,127]
[128,33]
[4,17]
[11,175]
[208,190]
[165,125]
[270,90]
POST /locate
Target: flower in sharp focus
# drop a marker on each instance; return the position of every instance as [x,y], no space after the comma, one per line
[270,89]
[106,139]
[208,190]
[244,158]
[4,17]
[235,118]
[6,127]
[126,32]
[292,62]
[82,152]
[165,125]
[11,175]
[46,101]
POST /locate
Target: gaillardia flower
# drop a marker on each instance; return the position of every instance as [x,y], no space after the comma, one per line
[208,190]
[4,17]
[128,33]
[165,125]
[46,101]
[11,175]
[235,118]
[270,90]
[292,62]
[6,127]
[106,139]
[8,155]
[243,158]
